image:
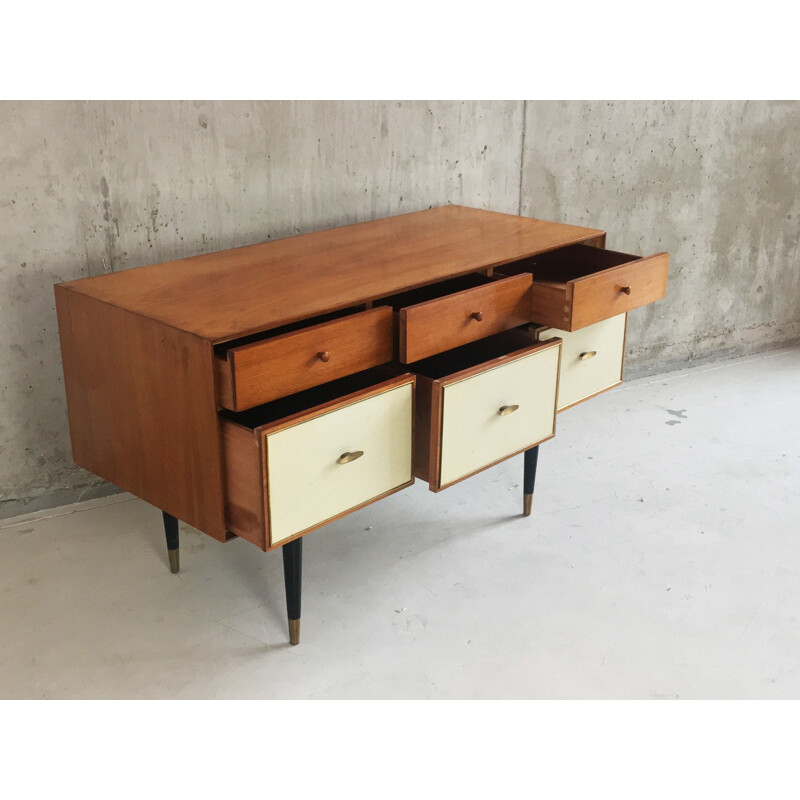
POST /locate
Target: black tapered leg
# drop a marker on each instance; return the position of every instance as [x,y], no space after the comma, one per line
[293,577]
[173,543]
[529,479]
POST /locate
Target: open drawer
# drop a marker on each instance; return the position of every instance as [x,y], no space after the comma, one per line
[297,463]
[591,359]
[578,285]
[276,363]
[482,403]
[451,313]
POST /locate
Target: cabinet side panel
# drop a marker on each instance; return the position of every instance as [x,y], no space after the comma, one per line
[140,398]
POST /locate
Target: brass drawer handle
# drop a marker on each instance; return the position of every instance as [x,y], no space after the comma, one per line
[324,356]
[587,355]
[477,315]
[625,289]
[346,458]
[504,411]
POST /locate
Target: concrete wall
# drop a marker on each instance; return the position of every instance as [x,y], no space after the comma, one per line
[715,184]
[93,187]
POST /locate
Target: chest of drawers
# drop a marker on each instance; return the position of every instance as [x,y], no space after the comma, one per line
[262,392]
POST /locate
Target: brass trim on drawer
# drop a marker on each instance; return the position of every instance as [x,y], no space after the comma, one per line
[347,458]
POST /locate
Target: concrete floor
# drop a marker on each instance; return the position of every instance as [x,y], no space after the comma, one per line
[662,560]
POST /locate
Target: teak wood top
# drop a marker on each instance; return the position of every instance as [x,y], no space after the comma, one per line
[225,295]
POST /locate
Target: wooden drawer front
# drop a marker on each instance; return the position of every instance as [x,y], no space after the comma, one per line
[306,484]
[447,322]
[591,359]
[579,285]
[618,290]
[262,371]
[475,435]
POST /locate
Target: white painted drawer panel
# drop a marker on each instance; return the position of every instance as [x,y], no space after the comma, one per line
[307,486]
[581,378]
[475,435]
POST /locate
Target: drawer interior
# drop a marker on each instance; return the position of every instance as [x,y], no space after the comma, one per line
[309,398]
[473,354]
[222,348]
[434,290]
[567,263]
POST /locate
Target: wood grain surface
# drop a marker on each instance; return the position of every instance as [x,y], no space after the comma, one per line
[427,421]
[600,296]
[580,285]
[221,296]
[140,398]
[265,370]
[448,322]
[244,489]
[143,381]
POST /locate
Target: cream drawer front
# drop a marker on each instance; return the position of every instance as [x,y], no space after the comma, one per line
[305,483]
[582,374]
[475,435]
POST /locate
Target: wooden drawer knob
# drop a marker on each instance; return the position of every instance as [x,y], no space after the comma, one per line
[346,458]
[504,411]
[477,315]
[324,356]
[625,289]
[587,355]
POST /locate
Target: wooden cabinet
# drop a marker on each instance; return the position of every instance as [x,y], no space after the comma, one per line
[263,391]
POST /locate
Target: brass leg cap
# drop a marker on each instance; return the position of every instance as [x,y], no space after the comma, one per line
[294,631]
[174,561]
[527,502]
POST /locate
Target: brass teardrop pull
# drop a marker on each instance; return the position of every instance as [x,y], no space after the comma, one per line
[346,458]
[324,356]
[477,315]
[625,289]
[504,411]
[587,355]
